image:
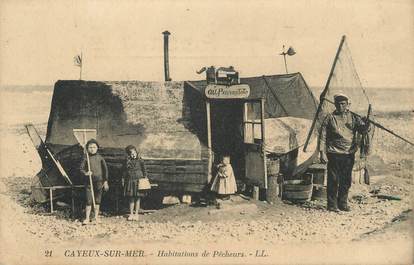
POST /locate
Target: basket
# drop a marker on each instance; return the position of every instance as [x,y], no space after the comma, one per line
[144,184]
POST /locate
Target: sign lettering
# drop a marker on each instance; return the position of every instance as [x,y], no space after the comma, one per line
[227,92]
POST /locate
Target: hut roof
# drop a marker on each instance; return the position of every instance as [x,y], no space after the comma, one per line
[150,115]
[285,95]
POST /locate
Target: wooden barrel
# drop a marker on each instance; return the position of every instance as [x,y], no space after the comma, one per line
[298,189]
[297,195]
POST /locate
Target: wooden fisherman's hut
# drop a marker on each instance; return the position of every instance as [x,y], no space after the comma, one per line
[182,128]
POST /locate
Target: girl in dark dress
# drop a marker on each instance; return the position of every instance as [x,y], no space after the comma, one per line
[134,180]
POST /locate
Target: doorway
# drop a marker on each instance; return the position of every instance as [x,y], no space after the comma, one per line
[227,136]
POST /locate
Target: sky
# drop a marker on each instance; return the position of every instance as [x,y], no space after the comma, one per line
[122,40]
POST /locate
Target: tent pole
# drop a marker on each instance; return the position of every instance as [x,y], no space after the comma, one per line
[284,58]
[80,68]
[323,94]
[262,120]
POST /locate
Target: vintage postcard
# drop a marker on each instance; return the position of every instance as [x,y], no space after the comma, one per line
[206,132]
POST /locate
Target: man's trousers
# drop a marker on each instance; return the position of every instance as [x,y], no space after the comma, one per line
[339,178]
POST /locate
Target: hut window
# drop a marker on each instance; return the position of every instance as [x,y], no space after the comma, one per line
[252,122]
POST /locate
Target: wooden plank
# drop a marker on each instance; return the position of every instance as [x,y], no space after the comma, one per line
[179,169]
[163,162]
[178,178]
[173,162]
[113,160]
[113,154]
[189,162]
[183,187]
[168,168]
[204,152]
[58,187]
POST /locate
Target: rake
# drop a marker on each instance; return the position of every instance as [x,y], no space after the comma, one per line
[83,136]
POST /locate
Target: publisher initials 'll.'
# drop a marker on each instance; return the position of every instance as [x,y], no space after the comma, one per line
[261,253]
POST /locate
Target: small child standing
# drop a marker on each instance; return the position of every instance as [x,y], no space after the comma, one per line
[98,171]
[135,181]
[224,182]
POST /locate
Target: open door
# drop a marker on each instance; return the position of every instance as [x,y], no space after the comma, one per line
[254,138]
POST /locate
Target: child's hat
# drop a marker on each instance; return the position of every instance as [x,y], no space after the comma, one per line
[91,141]
[129,148]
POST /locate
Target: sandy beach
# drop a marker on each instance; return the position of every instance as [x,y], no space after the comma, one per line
[374,225]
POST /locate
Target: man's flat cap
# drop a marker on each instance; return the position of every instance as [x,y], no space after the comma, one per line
[340,97]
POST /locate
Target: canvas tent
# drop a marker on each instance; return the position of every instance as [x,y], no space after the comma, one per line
[285,95]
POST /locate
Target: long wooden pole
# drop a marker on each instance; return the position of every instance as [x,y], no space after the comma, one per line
[284,58]
[89,169]
[262,120]
[80,67]
[323,94]
[59,166]
[51,199]
[210,158]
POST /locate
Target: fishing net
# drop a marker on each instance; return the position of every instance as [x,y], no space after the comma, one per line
[344,79]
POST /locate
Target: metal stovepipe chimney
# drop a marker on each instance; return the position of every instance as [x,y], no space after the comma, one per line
[166,61]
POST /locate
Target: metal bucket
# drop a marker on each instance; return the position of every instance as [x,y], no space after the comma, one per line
[319,193]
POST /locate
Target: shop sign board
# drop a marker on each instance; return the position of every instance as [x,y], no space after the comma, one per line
[215,91]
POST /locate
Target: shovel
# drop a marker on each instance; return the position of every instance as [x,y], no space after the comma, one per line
[83,136]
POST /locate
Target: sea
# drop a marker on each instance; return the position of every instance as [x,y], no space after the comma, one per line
[31,104]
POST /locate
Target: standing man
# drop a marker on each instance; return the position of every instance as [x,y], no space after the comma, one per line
[338,144]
